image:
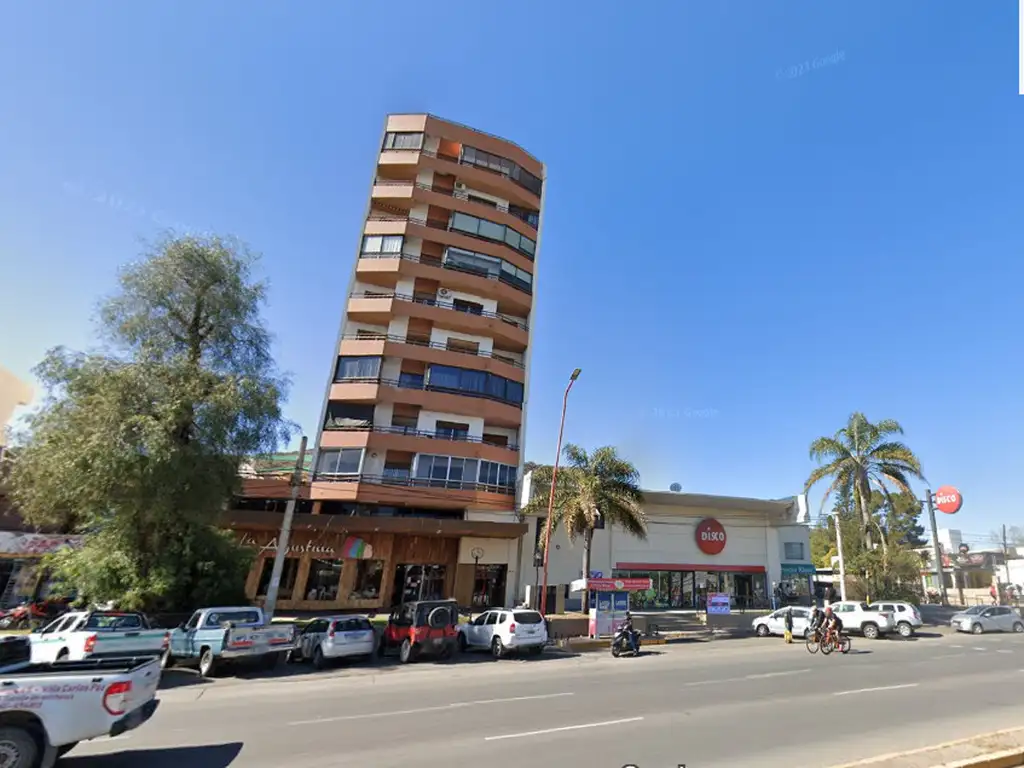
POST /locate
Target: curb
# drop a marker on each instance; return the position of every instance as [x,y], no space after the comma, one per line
[1001,758]
[587,644]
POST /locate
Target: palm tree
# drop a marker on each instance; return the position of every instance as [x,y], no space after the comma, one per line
[592,489]
[860,455]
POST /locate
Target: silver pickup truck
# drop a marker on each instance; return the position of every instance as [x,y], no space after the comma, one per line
[47,709]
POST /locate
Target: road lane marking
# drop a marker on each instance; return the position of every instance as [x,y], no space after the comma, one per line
[1003,651]
[880,688]
[977,649]
[956,646]
[562,729]
[945,656]
[777,674]
[442,708]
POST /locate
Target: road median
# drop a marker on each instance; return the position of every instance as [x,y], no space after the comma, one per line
[1001,749]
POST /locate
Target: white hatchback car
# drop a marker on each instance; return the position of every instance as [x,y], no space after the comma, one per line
[773,623]
[335,637]
[502,631]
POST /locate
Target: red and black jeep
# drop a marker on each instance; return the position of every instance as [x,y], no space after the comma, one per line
[425,627]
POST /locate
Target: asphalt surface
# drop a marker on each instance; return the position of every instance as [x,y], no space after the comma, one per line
[733,703]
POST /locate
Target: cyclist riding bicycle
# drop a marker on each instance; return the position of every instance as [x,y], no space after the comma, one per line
[833,625]
[816,622]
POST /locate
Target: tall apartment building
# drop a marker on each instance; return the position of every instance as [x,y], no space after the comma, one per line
[418,452]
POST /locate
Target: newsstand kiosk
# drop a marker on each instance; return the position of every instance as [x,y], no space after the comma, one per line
[609,603]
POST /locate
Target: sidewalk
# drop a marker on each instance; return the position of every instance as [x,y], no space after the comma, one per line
[1002,749]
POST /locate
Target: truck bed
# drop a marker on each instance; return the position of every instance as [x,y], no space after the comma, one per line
[100,666]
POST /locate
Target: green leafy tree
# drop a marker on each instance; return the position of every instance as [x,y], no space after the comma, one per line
[862,455]
[599,488]
[138,446]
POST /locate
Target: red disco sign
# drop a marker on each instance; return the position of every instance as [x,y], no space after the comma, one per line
[948,500]
[710,536]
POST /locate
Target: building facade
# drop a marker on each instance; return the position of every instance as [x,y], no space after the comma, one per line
[412,493]
[696,545]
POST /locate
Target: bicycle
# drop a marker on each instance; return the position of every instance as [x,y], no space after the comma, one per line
[813,642]
[829,643]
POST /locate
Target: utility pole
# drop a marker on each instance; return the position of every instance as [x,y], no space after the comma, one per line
[285,535]
[936,549]
[842,563]
[1006,554]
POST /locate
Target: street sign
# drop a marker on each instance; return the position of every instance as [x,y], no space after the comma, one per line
[948,500]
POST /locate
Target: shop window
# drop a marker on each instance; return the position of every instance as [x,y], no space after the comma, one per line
[324,580]
[489,585]
[794,550]
[368,577]
[288,576]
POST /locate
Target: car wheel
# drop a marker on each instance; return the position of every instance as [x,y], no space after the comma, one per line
[319,662]
[18,747]
[905,629]
[870,631]
[462,643]
[497,648]
[405,651]
[977,629]
[167,660]
[762,630]
[207,663]
[1018,627]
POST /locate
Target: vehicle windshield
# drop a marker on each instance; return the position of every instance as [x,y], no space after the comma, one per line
[974,610]
[114,621]
[527,617]
[352,625]
[235,617]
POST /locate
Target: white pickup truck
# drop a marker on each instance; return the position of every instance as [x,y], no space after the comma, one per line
[46,709]
[96,634]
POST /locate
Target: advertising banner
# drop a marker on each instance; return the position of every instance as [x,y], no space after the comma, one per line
[718,604]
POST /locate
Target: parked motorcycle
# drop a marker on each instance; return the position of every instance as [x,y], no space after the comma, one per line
[621,642]
[27,615]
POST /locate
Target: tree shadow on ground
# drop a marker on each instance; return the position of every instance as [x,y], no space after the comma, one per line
[208,756]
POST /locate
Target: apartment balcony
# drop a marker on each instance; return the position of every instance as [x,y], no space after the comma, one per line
[386,269]
[426,351]
[412,440]
[412,390]
[397,488]
[405,193]
[376,308]
[488,180]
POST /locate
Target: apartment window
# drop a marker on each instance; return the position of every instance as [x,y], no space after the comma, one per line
[343,461]
[489,230]
[450,430]
[518,278]
[523,214]
[794,550]
[446,471]
[479,383]
[473,262]
[502,475]
[351,416]
[470,307]
[357,368]
[461,345]
[410,380]
[504,166]
[403,140]
[382,244]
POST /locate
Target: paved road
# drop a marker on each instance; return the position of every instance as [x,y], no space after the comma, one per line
[735,703]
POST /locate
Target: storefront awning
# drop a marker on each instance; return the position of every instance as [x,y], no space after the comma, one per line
[408,526]
[798,569]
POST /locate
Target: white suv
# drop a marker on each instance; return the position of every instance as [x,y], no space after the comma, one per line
[906,615]
[502,631]
[862,618]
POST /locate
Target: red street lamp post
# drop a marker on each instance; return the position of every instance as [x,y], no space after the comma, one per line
[551,498]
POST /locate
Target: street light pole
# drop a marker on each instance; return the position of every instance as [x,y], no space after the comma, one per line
[551,497]
[940,572]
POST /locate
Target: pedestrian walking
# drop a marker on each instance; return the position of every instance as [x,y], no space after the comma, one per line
[787,621]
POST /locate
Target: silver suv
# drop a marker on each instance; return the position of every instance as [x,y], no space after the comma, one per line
[906,615]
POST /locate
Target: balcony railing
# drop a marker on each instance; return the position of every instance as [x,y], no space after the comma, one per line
[431,345]
[458,194]
[439,304]
[437,262]
[416,381]
[454,436]
[402,479]
[460,161]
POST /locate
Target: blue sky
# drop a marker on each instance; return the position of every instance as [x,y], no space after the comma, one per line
[737,252]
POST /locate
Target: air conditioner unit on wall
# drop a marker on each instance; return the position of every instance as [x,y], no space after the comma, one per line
[444,292]
[460,186]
